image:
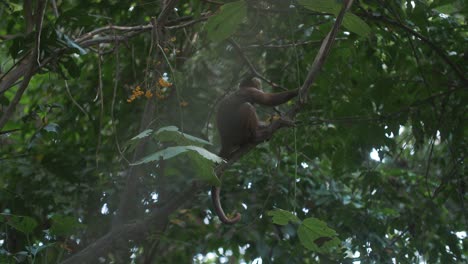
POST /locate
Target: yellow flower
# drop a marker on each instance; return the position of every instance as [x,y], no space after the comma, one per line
[183,103]
[164,83]
[148,94]
[173,39]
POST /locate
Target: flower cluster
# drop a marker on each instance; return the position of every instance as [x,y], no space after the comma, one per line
[162,91]
[164,83]
[137,92]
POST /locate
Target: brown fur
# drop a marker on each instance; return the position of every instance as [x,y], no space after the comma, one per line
[238,125]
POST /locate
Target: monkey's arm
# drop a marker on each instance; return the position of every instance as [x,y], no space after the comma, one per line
[270,99]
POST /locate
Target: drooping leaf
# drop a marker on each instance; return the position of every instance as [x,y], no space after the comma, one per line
[143,134]
[282,217]
[171,152]
[356,25]
[36,249]
[226,22]
[204,169]
[172,134]
[24,224]
[315,235]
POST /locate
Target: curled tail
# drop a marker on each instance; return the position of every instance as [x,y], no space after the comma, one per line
[215,191]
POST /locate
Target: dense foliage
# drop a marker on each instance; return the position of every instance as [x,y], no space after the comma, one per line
[372,172]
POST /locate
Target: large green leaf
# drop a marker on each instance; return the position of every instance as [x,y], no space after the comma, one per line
[226,22]
[282,217]
[172,134]
[171,152]
[355,24]
[351,22]
[317,236]
[204,169]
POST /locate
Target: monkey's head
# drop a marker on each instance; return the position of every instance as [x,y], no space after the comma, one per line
[251,82]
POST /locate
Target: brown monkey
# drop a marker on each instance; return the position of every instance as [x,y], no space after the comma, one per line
[238,125]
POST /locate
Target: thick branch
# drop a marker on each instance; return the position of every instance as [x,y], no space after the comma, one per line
[322,54]
[136,231]
[29,64]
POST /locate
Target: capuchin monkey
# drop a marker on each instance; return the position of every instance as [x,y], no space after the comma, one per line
[238,125]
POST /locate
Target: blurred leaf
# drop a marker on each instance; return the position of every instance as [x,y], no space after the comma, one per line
[324,6]
[52,127]
[350,21]
[24,224]
[71,67]
[64,225]
[226,22]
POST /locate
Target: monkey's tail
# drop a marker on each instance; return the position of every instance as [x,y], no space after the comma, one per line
[215,191]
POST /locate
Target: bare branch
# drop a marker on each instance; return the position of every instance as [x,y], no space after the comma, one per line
[252,67]
[322,54]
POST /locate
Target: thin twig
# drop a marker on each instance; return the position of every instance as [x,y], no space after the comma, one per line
[73,99]
[252,68]
[101,113]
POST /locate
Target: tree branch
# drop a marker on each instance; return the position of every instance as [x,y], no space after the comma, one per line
[439,51]
[252,67]
[136,231]
[30,63]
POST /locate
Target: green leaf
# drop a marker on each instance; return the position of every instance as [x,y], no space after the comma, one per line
[4,100]
[315,235]
[36,249]
[350,21]
[143,134]
[172,134]
[282,217]
[204,169]
[64,225]
[24,224]
[171,152]
[356,25]
[323,6]
[226,22]
[72,68]
[446,9]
